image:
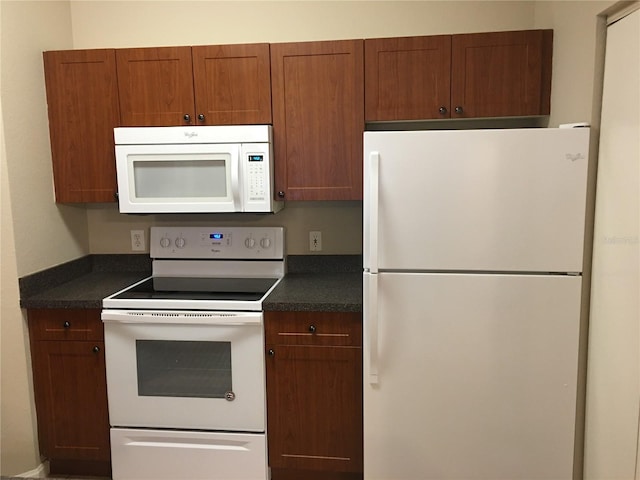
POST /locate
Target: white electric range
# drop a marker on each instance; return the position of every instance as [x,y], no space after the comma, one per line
[184,353]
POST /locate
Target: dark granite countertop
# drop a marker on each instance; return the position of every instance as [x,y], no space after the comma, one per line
[86,291]
[330,283]
[84,282]
[317,292]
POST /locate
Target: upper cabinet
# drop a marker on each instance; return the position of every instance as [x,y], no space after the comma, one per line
[318,119]
[202,85]
[321,93]
[459,76]
[82,99]
[501,74]
[232,84]
[155,86]
[407,78]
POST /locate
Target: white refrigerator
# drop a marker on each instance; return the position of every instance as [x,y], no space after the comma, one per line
[473,250]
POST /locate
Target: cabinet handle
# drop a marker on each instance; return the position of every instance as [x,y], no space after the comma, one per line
[116,195]
[281,194]
[201,117]
[96,349]
[443,110]
[66,325]
[271,352]
[459,110]
[187,118]
[312,328]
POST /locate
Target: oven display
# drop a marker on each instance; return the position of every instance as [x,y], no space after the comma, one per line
[216,236]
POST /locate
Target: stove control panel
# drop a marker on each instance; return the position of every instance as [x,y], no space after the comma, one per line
[263,243]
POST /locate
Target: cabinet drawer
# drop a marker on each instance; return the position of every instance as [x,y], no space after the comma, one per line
[314,328]
[65,324]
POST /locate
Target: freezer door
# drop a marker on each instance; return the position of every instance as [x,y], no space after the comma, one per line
[489,200]
[476,377]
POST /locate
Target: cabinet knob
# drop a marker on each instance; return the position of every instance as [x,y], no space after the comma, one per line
[66,325]
[201,117]
[443,110]
[281,194]
[96,349]
[458,110]
[271,352]
[312,328]
[187,118]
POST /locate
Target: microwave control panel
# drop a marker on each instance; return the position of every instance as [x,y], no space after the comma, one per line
[264,243]
[257,170]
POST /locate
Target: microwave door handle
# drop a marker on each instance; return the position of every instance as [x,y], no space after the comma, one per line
[235,179]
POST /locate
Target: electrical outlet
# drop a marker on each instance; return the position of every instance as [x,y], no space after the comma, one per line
[315,241]
[137,241]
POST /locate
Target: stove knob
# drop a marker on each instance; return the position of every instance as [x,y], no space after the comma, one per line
[180,242]
[265,242]
[249,242]
[165,242]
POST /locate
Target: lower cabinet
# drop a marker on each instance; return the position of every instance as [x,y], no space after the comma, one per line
[67,351]
[314,395]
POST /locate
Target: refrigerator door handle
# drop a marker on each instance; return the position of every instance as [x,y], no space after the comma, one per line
[371,327]
[374,187]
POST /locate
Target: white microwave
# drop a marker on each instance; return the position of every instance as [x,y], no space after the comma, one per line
[201,169]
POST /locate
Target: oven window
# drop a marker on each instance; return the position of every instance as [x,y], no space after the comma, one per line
[200,176]
[168,368]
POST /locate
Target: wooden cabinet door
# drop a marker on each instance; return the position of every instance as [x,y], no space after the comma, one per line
[82,99]
[73,391]
[407,78]
[318,119]
[314,395]
[501,74]
[70,390]
[232,84]
[155,86]
[314,398]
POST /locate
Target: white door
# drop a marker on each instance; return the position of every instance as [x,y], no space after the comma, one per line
[491,200]
[477,376]
[613,376]
[178,178]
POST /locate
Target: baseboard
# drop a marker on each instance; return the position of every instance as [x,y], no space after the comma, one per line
[40,472]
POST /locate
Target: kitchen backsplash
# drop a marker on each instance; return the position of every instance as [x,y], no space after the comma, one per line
[340,224]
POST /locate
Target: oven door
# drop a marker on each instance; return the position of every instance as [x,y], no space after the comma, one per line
[179,178]
[185,369]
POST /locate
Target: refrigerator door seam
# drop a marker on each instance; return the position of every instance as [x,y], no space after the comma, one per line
[481,272]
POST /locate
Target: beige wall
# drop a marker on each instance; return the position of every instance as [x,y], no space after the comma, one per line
[147,23]
[574,56]
[46,234]
[35,232]
[18,450]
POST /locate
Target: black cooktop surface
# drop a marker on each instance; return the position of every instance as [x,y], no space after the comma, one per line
[192,288]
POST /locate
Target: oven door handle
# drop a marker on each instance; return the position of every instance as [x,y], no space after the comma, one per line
[180,317]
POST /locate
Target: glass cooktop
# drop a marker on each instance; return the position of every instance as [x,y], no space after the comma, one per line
[193,288]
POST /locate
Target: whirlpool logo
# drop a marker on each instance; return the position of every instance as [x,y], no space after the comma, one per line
[574,156]
[190,134]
